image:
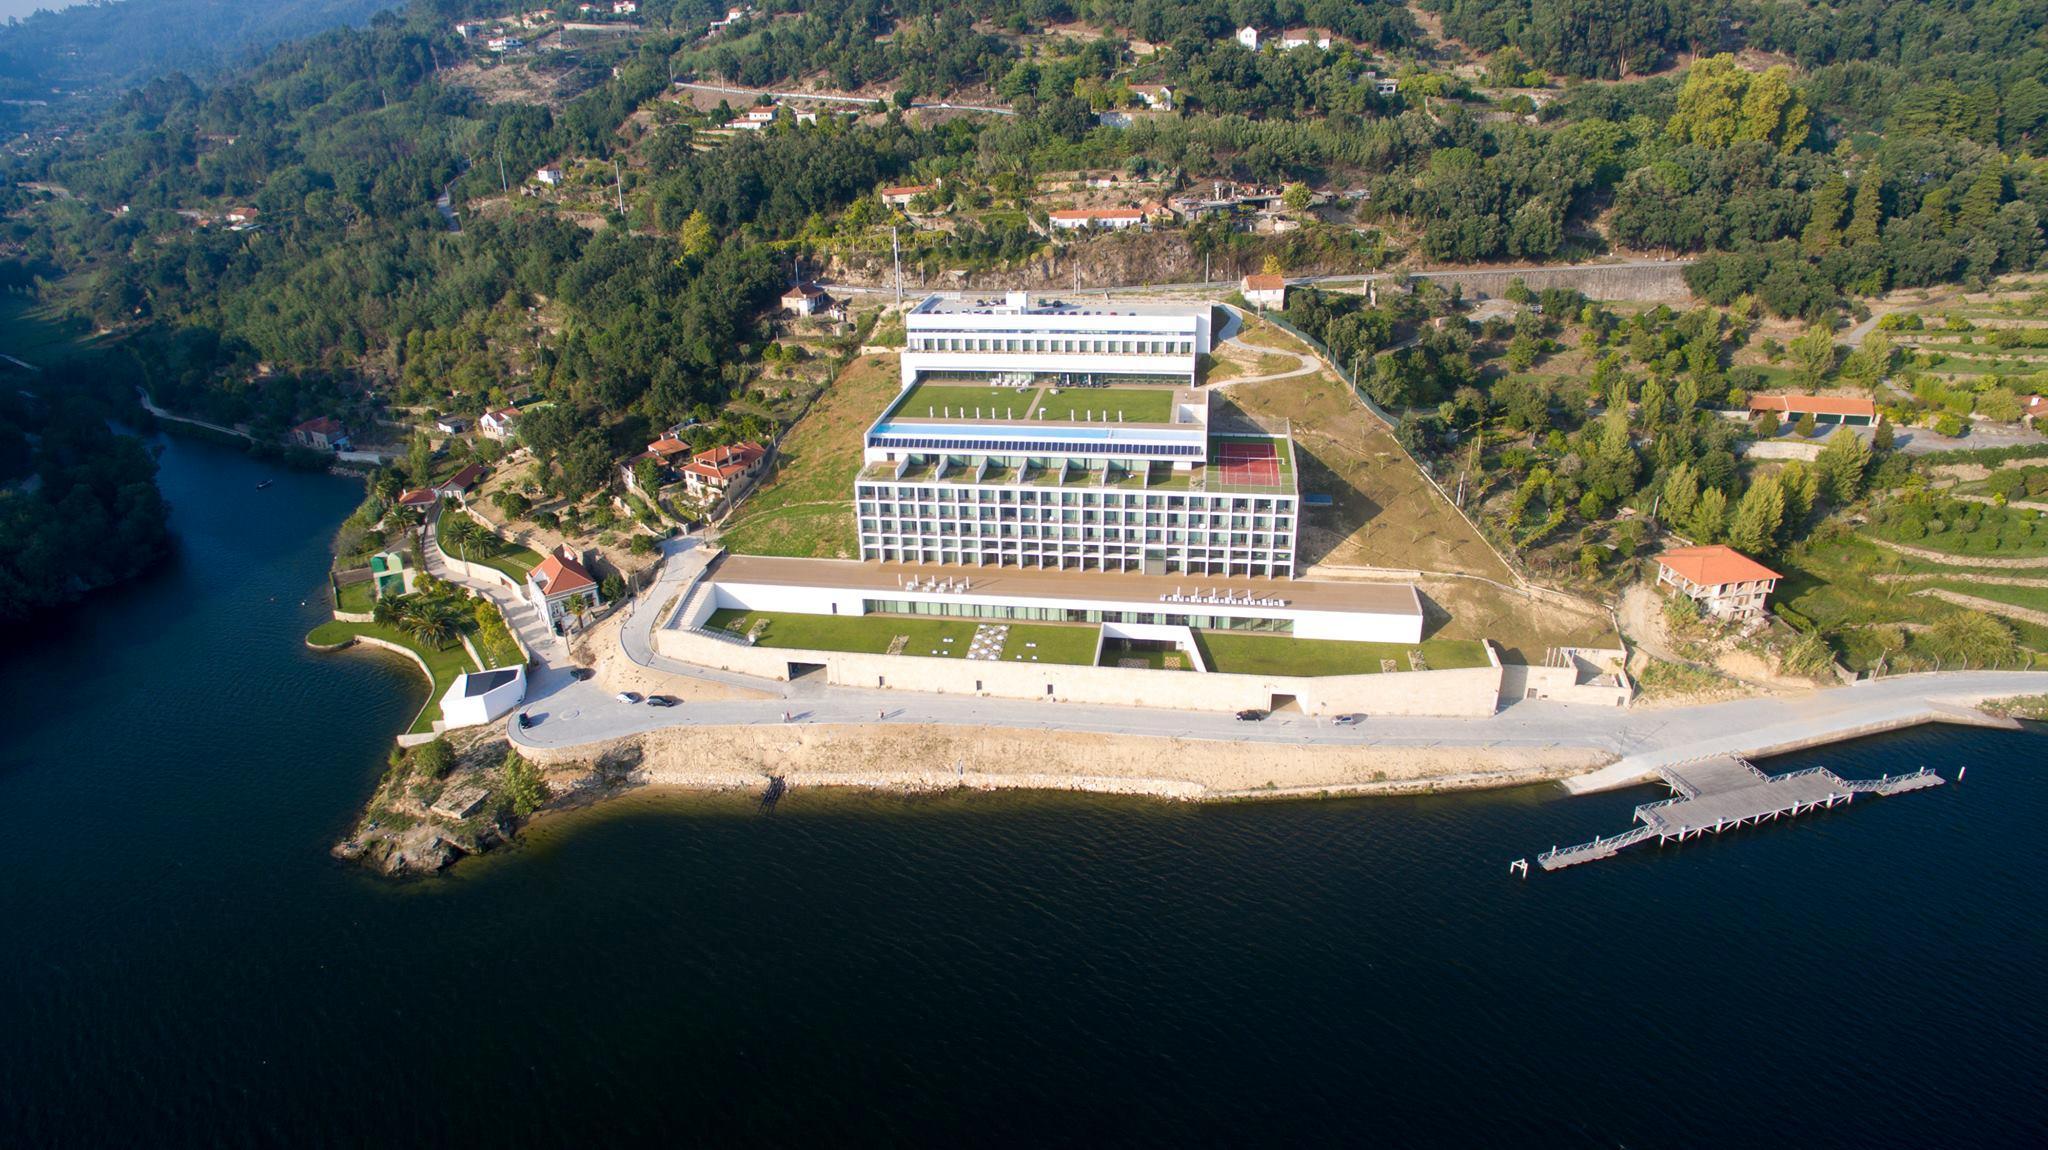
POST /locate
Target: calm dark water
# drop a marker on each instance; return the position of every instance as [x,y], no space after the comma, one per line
[181,963]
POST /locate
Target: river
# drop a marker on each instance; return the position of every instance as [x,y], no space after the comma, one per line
[185,965]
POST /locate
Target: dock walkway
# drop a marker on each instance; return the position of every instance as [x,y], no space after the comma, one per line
[1722,792]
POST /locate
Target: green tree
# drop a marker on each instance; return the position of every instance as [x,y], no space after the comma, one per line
[433,759]
[1868,212]
[419,459]
[612,587]
[1297,197]
[1824,219]
[1772,110]
[1807,427]
[524,788]
[1813,355]
[1881,437]
[1971,639]
[1754,529]
[1709,516]
[1681,493]
[698,237]
[1842,464]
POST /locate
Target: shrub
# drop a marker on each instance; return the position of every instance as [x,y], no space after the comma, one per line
[433,759]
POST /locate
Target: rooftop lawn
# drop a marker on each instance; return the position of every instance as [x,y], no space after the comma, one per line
[358,598]
[1053,405]
[926,636]
[443,662]
[1248,653]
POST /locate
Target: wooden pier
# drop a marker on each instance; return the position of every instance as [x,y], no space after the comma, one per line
[1724,792]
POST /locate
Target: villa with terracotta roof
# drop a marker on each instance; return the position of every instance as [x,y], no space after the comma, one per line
[321,434]
[902,194]
[457,486]
[501,425]
[1725,583]
[554,586]
[420,499]
[712,473]
[1825,409]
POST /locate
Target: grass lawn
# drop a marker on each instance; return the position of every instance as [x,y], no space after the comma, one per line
[929,637]
[33,332]
[1075,404]
[805,508]
[355,598]
[444,662]
[513,560]
[1243,653]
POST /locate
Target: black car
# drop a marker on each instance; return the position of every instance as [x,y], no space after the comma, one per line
[581,673]
[1250,715]
[525,720]
[661,700]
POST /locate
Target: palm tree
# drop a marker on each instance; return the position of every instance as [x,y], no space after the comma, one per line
[431,621]
[459,532]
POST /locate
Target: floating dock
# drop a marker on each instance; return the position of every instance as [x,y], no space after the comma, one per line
[1723,792]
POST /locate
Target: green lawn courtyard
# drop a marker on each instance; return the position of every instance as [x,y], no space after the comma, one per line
[908,635]
[1249,653]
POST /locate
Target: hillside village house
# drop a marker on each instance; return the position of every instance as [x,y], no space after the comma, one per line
[901,195]
[2032,408]
[1154,95]
[713,473]
[549,176]
[665,452]
[420,499]
[1264,291]
[501,425]
[450,425]
[1294,38]
[460,484]
[1825,409]
[321,434]
[1113,219]
[557,583]
[1725,583]
[1249,37]
[804,299]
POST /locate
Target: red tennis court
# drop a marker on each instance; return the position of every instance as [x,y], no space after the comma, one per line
[1252,463]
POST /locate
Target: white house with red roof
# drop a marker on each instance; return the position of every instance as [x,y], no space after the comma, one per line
[1114,219]
[420,499]
[554,586]
[459,485]
[804,299]
[1852,411]
[1264,291]
[1725,583]
[901,195]
[501,425]
[713,473]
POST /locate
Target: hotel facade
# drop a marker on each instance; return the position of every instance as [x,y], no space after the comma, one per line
[1069,435]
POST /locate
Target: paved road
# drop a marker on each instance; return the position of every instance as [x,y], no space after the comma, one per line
[1232,284]
[861,101]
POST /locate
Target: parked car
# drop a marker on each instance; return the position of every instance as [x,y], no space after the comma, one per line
[1346,720]
[661,701]
[627,696]
[1250,715]
[580,673]
[525,720]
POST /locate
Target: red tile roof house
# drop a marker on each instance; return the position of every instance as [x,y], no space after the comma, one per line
[1725,583]
[458,485]
[803,299]
[501,425]
[420,499]
[1115,219]
[1826,409]
[901,195]
[557,583]
[1264,291]
[713,473]
[321,434]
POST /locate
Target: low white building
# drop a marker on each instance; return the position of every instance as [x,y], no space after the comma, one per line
[1348,611]
[1055,338]
[1113,219]
[477,697]
[1154,95]
[1294,38]
[1265,292]
[1249,37]
[552,177]
[501,425]
[804,299]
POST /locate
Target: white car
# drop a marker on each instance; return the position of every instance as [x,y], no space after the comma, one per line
[627,697]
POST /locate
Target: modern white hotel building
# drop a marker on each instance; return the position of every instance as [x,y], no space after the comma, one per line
[1070,436]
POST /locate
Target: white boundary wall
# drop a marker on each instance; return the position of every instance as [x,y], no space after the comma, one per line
[1468,693]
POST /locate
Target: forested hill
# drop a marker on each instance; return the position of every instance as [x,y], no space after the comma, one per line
[114,44]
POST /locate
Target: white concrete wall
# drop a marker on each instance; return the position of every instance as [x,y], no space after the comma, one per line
[457,711]
[1072,363]
[1467,693]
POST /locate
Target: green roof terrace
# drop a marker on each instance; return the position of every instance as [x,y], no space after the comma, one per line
[1042,403]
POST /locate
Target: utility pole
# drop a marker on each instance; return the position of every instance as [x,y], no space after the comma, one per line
[502,185]
[619,185]
[896,253]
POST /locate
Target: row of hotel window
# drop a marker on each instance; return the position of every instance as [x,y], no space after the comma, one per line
[1074,615]
[1127,535]
[926,497]
[1125,450]
[1112,517]
[1074,560]
[1059,345]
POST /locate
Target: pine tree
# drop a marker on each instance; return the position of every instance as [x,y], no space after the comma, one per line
[1881,439]
[1708,516]
[1755,528]
[1842,464]
[1681,491]
[1868,212]
[1824,224]
[1980,203]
